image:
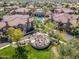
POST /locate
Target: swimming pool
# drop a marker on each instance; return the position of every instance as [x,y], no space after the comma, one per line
[40,19]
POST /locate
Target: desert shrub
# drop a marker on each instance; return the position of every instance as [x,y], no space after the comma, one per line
[70,50]
[75,31]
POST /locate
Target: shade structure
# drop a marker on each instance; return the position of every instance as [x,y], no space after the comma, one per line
[39,12]
[40,40]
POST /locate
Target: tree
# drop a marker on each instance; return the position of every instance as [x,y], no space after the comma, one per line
[67,6]
[14,34]
[74,30]
[20,53]
[68,25]
[70,50]
[29,27]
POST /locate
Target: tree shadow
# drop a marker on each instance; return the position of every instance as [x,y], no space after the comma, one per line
[20,53]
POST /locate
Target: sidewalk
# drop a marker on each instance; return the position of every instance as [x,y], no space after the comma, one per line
[4,45]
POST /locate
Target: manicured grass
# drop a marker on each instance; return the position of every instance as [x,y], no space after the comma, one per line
[39,54]
[32,53]
[7,52]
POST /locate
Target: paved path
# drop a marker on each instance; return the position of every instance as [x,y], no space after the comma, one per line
[55,53]
[5,46]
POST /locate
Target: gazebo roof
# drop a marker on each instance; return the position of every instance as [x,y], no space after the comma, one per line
[39,12]
[40,40]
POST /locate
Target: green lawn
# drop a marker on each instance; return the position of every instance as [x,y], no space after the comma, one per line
[7,52]
[32,54]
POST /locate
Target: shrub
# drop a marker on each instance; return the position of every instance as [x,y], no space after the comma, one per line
[70,50]
[14,34]
[75,31]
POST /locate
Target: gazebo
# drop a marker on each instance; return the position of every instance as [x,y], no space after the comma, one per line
[39,15]
[39,12]
[40,40]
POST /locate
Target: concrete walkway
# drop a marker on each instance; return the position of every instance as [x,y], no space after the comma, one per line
[4,46]
[55,53]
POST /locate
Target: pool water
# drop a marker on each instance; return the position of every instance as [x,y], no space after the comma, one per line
[40,19]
